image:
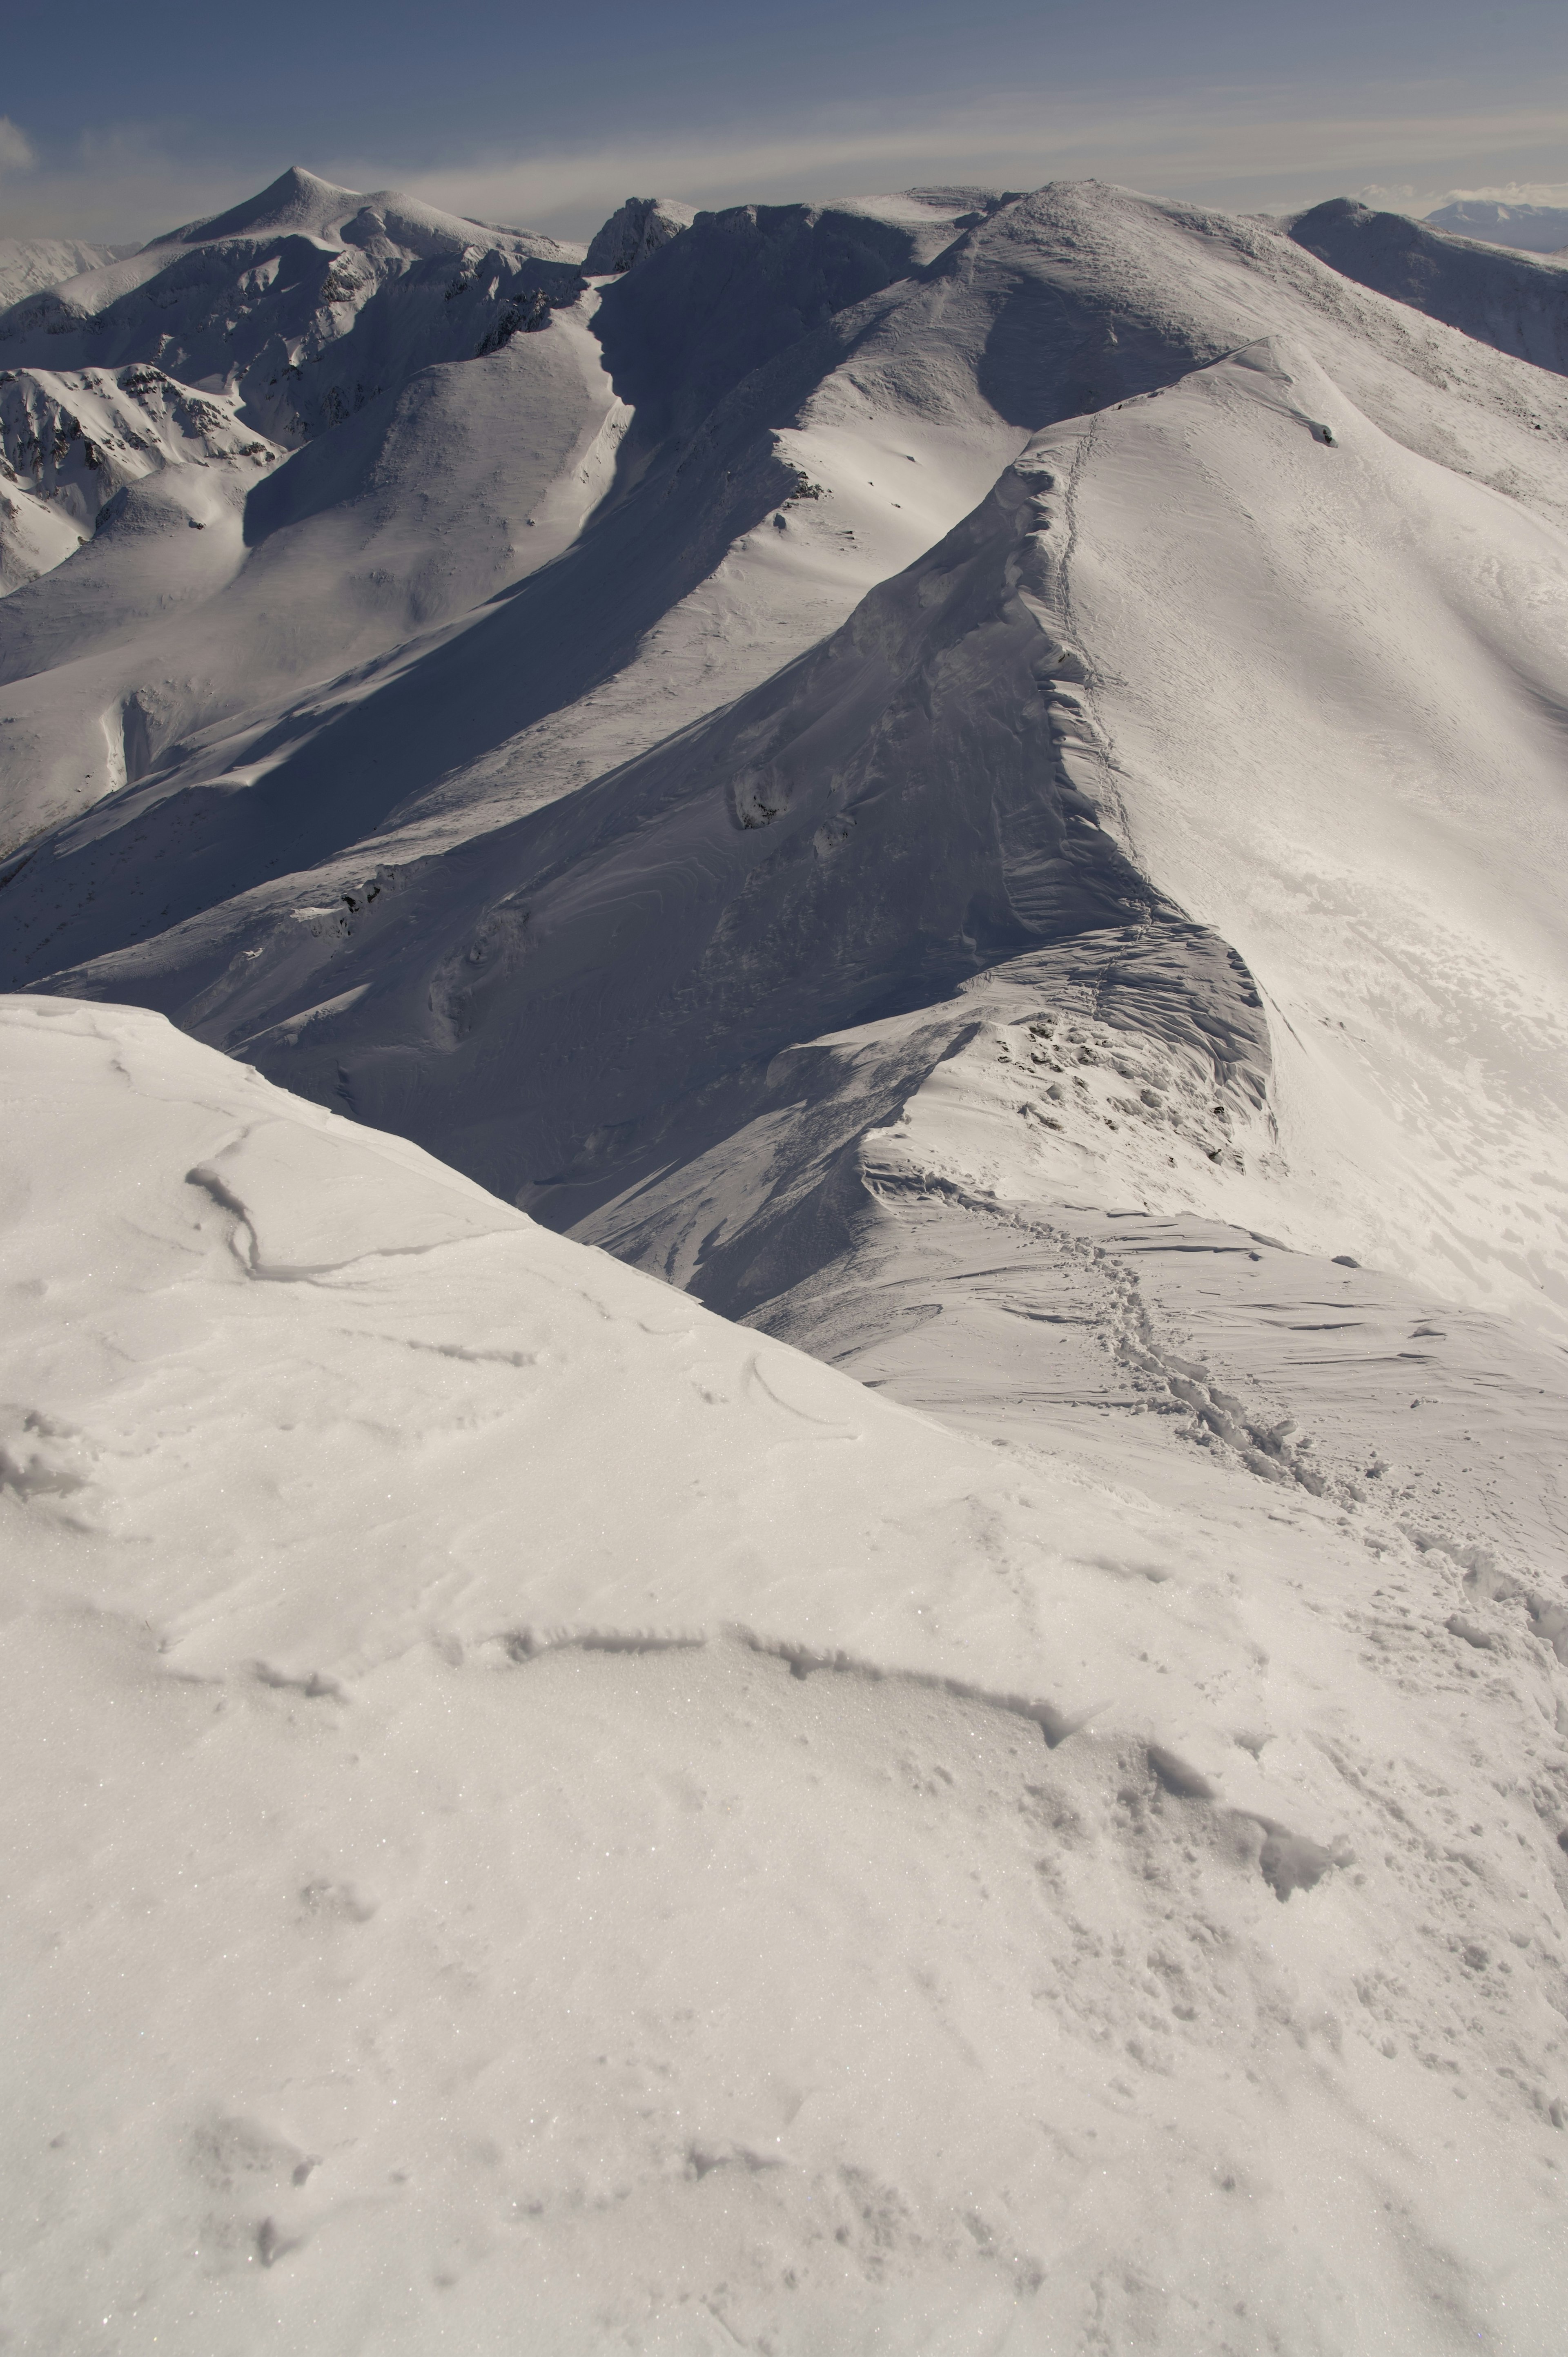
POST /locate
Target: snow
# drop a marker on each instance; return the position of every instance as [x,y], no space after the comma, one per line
[1517,304]
[558,1951]
[799,1467]
[1380,862]
[304,303]
[1537,229]
[27,263]
[635,229]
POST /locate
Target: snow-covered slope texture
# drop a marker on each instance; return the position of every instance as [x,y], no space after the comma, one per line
[412,513]
[1003,750]
[1226,730]
[1534,228]
[75,440]
[1122,697]
[27,263]
[303,303]
[1519,304]
[536,1818]
[398,520]
[783,456]
[444,484]
[71,443]
[633,231]
[34,536]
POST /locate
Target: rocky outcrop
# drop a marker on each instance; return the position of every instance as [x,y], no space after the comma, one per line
[74,438]
[641,227]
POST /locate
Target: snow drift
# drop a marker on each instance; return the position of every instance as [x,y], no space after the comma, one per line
[532,1810]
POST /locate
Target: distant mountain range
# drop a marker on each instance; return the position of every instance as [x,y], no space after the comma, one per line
[1536,229]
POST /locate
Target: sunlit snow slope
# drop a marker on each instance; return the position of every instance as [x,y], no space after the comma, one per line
[1272,666]
[972,782]
[538,1818]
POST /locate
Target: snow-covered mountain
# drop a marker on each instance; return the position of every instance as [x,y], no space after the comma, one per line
[1534,228]
[1517,303]
[305,302]
[27,263]
[974,782]
[535,1813]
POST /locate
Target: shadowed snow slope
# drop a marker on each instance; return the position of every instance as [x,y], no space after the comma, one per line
[539,1818]
[1519,304]
[816,400]
[637,229]
[1205,657]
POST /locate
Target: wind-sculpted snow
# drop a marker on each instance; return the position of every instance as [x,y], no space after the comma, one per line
[1052,725]
[1517,305]
[912,804]
[400,521]
[971,782]
[533,1813]
[740,287]
[685,591]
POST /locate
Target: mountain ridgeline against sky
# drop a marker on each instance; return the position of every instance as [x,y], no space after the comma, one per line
[971,781]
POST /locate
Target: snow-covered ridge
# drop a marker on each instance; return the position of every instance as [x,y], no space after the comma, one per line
[76,440]
[634,231]
[303,303]
[968,785]
[1514,302]
[530,1807]
[27,263]
[792,817]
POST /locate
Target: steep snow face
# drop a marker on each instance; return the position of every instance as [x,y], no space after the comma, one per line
[1518,306]
[737,289]
[1536,229]
[633,231]
[303,304]
[532,1812]
[34,536]
[1364,798]
[70,444]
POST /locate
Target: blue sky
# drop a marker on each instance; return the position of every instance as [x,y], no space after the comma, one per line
[121,121]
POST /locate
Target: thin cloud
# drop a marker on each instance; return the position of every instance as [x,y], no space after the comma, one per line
[120,182]
[1235,144]
[16,148]
[1262,149]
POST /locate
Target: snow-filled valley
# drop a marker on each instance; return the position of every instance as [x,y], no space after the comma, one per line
[784,1215]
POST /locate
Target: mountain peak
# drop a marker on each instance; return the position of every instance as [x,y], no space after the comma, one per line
[639,228]
[296,200]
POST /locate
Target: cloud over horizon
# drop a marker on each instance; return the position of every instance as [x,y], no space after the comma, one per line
[1270,149]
